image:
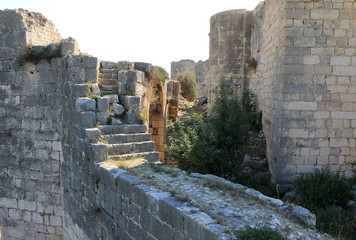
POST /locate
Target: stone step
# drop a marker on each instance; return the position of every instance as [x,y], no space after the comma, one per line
[149,156]
[124,128]
[108,92]
[108,76]
[107,71]
[131,147]
[108,81]
[124,138]
[111,88]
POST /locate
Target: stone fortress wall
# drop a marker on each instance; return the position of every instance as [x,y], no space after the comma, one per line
[298,57]
[54,183]
[305,84]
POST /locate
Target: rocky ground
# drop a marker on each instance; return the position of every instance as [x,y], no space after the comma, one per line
[232,205]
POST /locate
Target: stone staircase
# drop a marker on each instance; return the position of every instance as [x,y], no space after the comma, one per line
[124,141]
[129,141]
[108,79]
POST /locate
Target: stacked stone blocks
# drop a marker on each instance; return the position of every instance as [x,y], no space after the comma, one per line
[308,73]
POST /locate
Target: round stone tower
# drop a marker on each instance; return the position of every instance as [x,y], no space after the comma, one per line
[230,37]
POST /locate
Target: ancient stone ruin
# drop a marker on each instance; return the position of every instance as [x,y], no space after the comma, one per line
[65,116]
[299,59]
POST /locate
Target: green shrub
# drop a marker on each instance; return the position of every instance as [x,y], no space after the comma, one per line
[327,194]
[188,85]
[323,188]
[109,121]
[158,74]
[253,117]
[218,143]
[262,233]
[181,136]
[336,222]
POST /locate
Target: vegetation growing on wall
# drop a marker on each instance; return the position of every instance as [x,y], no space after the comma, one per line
[188,85]
[35,54]
[327,194]
[158,75]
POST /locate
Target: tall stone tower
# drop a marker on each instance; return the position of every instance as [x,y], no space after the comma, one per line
[230,35]
[182,66]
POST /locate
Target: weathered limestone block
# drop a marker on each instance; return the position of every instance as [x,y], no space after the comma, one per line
[102,104]
[131,103]
[92,134]
[113,98]
[131,81]
[76,75]
[91,75]
[79,90]
[118,109]
[125,88]
[116,122]
[326,14]
[85,104]
[91,62]
[87,119]
[95,89]
[123,65]
[108,65]
[143,67]
[69,46]
[102,117]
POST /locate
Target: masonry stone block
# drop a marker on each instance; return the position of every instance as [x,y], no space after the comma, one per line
[55,221]
[126,183]
[108,64]
[27,205]
[297,13]
[90,62]
[99,152]
[91,75]
[37,218]
[140,195]
[102,104]
[131,88]
[69,47]
[102,117]
[122,65]
[85,104]
[95,90]
[340,60]
[118,109]
[305,42]
[92,134]
[325,14]
[9,203]
[131,117]
[170,214]
[113,98]
[15,214]
[87,119]
[143,67]
[132,76]
[344,70]
[132,103]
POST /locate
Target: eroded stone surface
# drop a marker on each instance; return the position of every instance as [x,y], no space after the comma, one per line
[232,205]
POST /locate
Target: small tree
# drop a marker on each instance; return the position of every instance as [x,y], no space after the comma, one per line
[188,85]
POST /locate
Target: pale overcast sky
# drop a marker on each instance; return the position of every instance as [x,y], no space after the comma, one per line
[155,31]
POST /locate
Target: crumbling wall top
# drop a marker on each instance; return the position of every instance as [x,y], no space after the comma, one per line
[20,27]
